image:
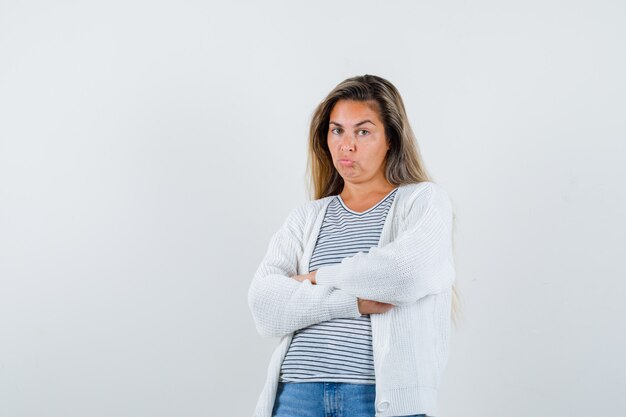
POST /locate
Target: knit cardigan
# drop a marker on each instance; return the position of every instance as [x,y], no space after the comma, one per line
[412,267]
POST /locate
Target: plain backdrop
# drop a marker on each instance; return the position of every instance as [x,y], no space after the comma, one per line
[149,149]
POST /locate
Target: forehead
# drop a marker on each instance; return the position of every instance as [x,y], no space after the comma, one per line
[354,111]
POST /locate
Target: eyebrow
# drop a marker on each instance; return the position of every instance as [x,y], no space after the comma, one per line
[358,124]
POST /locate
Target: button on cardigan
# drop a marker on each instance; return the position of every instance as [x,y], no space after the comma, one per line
[412,267]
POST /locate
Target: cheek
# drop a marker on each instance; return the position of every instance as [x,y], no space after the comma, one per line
[331,145]
[374,161]
[331,148]
[376,154]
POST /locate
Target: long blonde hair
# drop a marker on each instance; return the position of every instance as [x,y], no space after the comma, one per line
[403,162]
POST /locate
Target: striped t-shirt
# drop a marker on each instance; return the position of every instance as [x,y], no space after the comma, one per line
[338,350]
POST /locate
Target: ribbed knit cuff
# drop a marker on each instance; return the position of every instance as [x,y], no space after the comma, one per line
[327,275]
[340,304]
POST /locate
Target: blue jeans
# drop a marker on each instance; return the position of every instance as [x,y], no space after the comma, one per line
[325,399]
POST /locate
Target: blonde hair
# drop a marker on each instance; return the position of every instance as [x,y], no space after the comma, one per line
[403,162]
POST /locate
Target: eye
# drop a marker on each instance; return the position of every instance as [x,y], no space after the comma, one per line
[336,130]
[363,132]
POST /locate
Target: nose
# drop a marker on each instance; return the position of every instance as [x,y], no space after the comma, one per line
[347,144]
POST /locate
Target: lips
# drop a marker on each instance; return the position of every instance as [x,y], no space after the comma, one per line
[346,162]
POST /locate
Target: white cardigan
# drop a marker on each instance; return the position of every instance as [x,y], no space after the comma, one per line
[412,268]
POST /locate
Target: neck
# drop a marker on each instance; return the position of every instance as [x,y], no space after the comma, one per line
[360,191]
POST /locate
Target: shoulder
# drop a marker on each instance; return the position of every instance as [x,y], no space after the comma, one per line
[311,207]
[425,195]
[422,190]
[306,212]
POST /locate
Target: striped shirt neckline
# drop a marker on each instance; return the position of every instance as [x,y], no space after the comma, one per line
[369,209]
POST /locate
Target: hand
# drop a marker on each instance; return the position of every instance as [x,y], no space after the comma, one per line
[373,307]
[310,276]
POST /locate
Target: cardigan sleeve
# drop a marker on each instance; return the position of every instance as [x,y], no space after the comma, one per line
[281,304]
[417,263]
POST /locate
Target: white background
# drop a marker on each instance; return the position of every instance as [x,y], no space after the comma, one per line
[149,149]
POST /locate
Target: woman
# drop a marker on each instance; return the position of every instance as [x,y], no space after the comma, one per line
[358,282]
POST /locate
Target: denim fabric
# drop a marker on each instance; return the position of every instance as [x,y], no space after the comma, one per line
[326,399]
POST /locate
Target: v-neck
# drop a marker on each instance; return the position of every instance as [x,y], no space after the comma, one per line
[369,209]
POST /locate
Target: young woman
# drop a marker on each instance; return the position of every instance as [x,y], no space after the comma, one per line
[358,282]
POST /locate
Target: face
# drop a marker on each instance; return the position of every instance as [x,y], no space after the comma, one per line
[357,141]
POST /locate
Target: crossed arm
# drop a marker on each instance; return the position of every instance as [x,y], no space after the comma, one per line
[365,306]
[417,263]
[281,304]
